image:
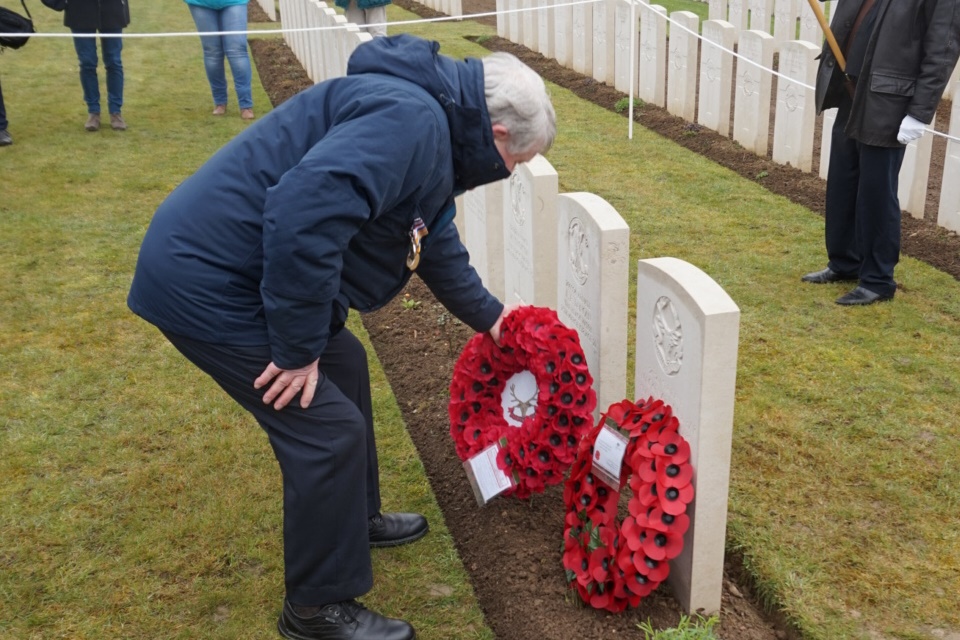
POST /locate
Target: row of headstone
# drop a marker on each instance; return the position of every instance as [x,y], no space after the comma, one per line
[533,245]
[785,20]
[570,251]
[321,38]
[449,7]
[702,70]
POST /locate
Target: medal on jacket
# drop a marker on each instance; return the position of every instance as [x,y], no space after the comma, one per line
[417,231]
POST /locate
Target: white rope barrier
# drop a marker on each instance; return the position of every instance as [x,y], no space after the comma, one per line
[633,40]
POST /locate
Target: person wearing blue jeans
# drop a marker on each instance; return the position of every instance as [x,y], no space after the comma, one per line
[86,18]
[213,16]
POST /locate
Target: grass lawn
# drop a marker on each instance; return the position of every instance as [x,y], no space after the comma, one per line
[139,502]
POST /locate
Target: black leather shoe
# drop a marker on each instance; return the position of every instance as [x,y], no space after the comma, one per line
[5,138]
[394,529]
[861,296]
[828,275]
[347,620]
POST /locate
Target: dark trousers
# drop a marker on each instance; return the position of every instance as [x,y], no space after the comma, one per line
[3,112]
[327,457]
[863,209]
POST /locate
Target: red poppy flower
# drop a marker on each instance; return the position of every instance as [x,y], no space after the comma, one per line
[674,500]
[661,545]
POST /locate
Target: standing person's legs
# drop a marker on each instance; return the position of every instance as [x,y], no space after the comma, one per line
[3,112]
[362,17]
[234,18]
[86,49]
[111,49]
[878,217]
[377,17]
[5,138]
[843,177]
[322,455]
[208,21]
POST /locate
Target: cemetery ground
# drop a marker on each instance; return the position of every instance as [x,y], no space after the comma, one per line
[511,548]
[139,502]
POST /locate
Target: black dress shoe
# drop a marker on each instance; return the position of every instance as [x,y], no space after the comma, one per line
[347,620]
[861,296]
[394,529]
[828,275]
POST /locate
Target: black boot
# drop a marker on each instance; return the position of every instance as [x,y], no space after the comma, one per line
[347,620]
[394,529]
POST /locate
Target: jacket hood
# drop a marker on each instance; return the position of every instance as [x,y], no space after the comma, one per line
[457,85]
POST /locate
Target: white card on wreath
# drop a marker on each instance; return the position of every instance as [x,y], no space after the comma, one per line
[486,478]
[608,453]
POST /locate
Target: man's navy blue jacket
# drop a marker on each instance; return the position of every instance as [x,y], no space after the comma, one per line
[308,212]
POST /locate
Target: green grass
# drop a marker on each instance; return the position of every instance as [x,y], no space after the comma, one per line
[689,629]
[139,502]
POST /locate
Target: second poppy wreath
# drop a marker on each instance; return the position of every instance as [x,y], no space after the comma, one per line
[614,564]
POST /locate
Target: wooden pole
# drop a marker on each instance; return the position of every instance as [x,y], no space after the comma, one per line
[817,11]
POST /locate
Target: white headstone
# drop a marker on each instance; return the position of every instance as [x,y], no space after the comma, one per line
[563,35]
[810,30]
[604,48]
[483,224]
[460,220]
[514,22]
[716,76]
[583,34]
[738,15]
[796,110]
[717,10]
[915,172]
[751,107]
[653,55]
[531,29]
[761,15]
[529,236]
[625,35]
[785,22]
[546,27]
[686,354]
[593,251]
[682,78]
[829,117]
[948,215]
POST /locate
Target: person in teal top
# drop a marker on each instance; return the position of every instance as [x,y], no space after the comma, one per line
[369,15]
[212,16]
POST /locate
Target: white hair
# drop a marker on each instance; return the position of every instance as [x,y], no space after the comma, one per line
[517,99]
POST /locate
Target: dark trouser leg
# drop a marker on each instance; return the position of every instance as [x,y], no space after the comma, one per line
[843,178]
[322,451]
[345,362]
[863,209]
[878,217]
[3,112]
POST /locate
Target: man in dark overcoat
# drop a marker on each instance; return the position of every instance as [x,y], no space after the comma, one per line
[899,57]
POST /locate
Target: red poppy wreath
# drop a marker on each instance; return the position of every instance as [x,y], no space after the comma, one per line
[533,395]
[613,564]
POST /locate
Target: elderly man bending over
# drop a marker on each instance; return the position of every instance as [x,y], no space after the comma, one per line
[330,202]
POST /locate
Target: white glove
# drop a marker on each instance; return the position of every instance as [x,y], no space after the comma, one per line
[910,130]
